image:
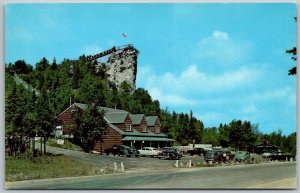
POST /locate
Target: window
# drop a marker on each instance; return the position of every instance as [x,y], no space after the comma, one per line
[128,127]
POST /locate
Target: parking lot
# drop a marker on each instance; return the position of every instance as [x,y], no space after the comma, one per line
[133,163]
[130,163]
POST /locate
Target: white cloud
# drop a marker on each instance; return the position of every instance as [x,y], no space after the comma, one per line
[192,80]
[194,88]
[220,35]
[281,93]
[220,49]
[170,99]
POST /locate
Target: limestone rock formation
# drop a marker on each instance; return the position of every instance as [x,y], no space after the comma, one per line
[122,66]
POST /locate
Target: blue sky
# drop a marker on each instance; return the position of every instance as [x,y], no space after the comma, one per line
[222,61]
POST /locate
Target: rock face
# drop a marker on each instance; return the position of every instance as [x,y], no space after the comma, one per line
[122,66]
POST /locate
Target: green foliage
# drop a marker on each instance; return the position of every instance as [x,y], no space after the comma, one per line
[285,143]
[211,136]
[182,127]
[293,51]
[20,67]
[67,144]
[238,134]
[42,65]
[89,126]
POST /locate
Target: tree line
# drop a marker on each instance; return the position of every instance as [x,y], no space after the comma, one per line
[28,114]
[238,134]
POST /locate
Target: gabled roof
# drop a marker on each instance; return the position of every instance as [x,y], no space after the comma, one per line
[151,120]
[116,117]
[137,118]
[111,110]
[110,115]
[105,109]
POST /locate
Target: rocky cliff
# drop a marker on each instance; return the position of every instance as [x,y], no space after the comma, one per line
[122,66]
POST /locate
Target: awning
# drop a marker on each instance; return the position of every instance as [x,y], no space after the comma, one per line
[133,138]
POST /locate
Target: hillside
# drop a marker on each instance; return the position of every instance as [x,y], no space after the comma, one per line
[83,81]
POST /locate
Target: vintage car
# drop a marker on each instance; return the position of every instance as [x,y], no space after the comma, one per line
[133,151]
[242,156]
[197,151]
[149,151]
[170,153]
[229,154]
[215,156]
[122,150]
[281,156]
[266,155]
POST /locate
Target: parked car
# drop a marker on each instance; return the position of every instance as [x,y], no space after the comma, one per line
[149,151]
[229,154]
[170,153]
[281,156]
[197,151]
[122,150]
[266,155]
[215,156]
[133,151]
[242,156]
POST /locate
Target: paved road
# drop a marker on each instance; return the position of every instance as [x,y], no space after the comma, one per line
[226,177]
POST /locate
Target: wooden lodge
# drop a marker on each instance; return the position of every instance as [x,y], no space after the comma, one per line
[124,128]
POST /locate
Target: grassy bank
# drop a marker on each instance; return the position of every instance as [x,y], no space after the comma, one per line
[47,167]
[66,145]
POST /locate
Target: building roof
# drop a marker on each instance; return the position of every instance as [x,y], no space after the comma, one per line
[134,138]
[145,134]
[105,109]
[137,118]
[110,115]
[116,117]
[151,120]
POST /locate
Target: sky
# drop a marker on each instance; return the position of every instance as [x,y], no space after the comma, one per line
[220,61]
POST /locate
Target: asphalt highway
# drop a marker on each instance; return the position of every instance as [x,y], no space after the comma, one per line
[250,176]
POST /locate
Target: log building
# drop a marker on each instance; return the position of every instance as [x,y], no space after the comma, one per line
[124,128]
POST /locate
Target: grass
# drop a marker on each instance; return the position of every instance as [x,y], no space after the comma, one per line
[66,145]
[49,166]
